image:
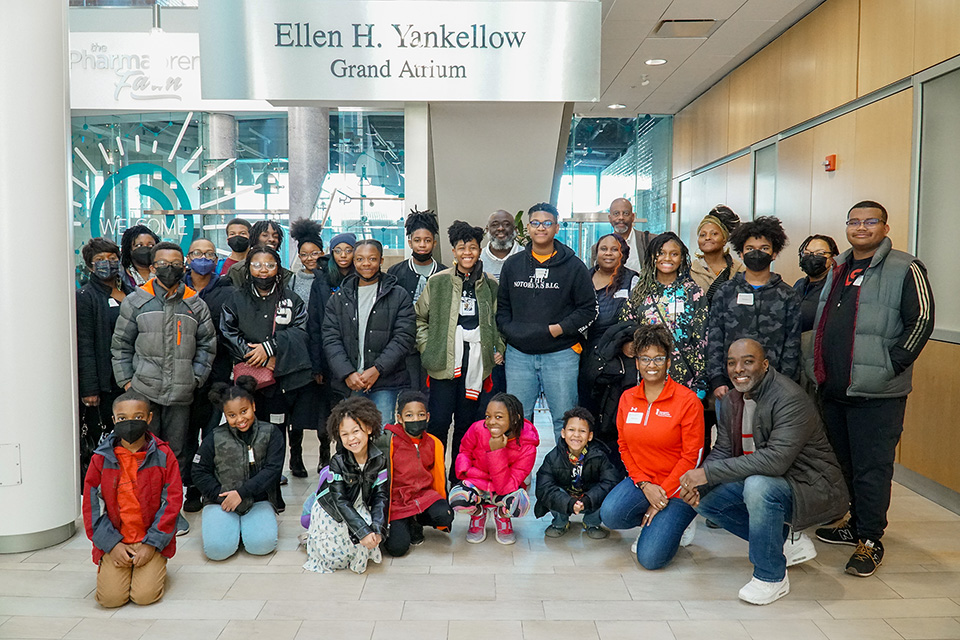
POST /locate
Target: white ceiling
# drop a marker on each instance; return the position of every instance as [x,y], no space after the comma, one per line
[693,64]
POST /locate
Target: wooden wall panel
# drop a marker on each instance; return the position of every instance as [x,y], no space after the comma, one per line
[937,32]
[710,129]
[929,444]
[884,139]
[832,192]
[798,75]
[835,41]
[886,43]
[755,99]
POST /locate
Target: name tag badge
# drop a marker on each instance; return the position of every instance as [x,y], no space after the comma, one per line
[113,303]
[623,293]
[541,274]
[858,281]
[277,418]
[635,417]
[676,308]
[745,298]
[250,456]
[468,306]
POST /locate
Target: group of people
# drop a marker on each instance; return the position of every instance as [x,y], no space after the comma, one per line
[637,357]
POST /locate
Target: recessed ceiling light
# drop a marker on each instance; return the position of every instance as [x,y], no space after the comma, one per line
[617,106]
[655,62]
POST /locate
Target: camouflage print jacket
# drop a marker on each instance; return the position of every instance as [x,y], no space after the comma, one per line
[770,315]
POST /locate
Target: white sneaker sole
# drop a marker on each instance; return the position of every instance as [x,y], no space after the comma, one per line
[478,540]
[784,590]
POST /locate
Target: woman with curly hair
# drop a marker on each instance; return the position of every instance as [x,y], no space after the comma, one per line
[755,304]
[667,295]
[714,265]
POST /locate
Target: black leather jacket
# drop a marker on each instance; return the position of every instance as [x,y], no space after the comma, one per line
[338,494]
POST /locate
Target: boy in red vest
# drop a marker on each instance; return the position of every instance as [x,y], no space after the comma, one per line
[132,496]
[417,477]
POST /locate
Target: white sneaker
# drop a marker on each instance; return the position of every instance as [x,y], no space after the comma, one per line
[798,549]
[687,538]
[633,547]
[760,592]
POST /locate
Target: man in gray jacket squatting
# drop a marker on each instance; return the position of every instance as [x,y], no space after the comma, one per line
[772,469]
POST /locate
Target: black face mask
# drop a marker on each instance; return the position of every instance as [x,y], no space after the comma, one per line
[813,265]
[423,257]
[169,275]
[130,430]
[264,284]
[757,260]
[239,243]
[415,427]
[141,256]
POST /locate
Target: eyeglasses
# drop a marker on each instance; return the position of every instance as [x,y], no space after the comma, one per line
[546,224]
[201,254]
[342,252]
[820,254]
[263,265]
[644,360]
[312,254]
[869,223]
[159,264]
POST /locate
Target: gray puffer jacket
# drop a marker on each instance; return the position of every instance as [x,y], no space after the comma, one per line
[790,443]
[163,346]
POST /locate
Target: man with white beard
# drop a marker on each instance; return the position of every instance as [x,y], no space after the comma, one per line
[503,232]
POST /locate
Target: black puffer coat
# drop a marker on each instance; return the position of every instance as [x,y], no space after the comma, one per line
[94,333]
[391,334]
[338,493]
[555,480]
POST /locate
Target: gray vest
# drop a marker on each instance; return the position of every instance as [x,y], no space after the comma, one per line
[231,458]
[878,325]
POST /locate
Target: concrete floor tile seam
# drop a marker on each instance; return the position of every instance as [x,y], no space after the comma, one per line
[15,618]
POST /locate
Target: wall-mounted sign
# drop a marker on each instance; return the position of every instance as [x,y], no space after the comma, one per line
[155,71]
[420,50]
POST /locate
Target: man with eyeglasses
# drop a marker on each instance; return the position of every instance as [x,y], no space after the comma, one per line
[163,347]
[202,277]
[622,217]
[545,304]
[875,315]
[502,231]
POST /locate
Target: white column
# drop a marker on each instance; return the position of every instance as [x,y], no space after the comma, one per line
[38,392]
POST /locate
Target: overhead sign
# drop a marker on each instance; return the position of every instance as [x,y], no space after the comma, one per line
[154,71]
[382,50]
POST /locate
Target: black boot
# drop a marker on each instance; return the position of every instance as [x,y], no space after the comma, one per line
[324,449]
[192,503]
[296,454]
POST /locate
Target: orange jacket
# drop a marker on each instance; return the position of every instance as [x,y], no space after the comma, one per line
[659,442]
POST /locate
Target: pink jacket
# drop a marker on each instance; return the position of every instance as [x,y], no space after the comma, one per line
[502,471]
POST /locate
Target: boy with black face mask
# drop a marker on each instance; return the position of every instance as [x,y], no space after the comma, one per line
[131,500]
[163,347]
[418,479]
[755,304]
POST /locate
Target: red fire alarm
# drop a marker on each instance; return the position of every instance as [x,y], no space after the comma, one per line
[830,163]
[673,207]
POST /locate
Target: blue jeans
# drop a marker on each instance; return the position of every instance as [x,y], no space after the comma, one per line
[556,373]
[591,519]
[223,530]
[624,508]
[757,510]
[386,401]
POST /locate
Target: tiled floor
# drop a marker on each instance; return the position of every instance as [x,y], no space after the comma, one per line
[571,587]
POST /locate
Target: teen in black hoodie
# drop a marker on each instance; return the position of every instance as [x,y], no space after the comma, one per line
[545,304]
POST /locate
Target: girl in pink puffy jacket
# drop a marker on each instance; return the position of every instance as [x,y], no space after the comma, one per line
[496,457]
